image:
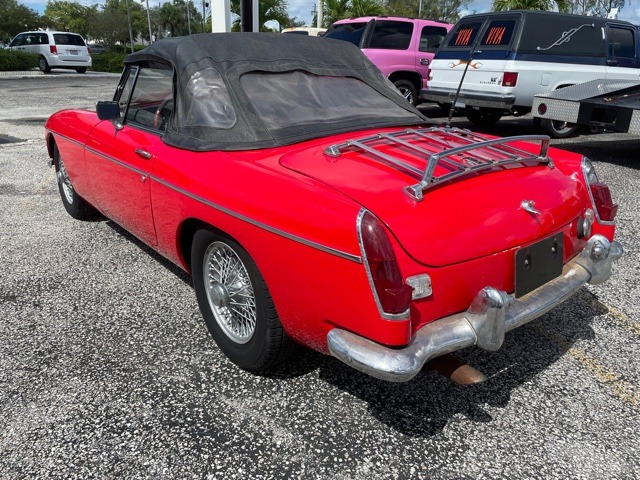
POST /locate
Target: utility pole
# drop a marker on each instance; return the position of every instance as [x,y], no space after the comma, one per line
[149,22]
[188,18]
[129,21]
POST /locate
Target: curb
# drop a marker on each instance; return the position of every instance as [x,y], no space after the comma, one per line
[22,73]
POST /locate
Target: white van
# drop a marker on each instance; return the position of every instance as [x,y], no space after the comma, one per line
[55,49]
[508,57]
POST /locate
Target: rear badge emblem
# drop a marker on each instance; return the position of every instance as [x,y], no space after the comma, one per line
[529,206]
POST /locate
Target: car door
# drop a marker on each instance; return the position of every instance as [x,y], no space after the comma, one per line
[18,43]
[430,38]
[120,154]
[622,59]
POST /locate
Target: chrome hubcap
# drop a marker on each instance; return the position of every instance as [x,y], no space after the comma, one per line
[406,93]
[65,182]
[229,292]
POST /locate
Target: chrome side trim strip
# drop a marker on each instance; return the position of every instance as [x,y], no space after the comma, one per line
[289,236]
[491,314]
[239,216]
[117,162]
[100,154]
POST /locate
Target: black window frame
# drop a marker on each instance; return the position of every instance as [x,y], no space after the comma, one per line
[611,50]
[133,72]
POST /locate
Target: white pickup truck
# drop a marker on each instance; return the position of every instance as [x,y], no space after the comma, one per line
[494,63]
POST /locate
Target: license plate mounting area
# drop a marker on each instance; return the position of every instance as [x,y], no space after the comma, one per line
[538,263]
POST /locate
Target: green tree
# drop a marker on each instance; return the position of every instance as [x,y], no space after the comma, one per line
[110,24]
[268,11]
[66,16]
[334,10]
[15,18]
[172,19]
[500,5]
[365,8]
[596,8]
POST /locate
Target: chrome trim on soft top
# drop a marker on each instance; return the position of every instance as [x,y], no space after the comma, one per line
[450,158]
[491,314]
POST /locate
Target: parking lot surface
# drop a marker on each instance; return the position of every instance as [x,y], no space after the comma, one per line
[107,369]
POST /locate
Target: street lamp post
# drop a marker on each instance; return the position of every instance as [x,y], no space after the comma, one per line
[149,22]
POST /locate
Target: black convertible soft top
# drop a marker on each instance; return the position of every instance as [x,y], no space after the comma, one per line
[238,91]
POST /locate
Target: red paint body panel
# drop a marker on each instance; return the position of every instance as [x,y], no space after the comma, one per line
[294,210]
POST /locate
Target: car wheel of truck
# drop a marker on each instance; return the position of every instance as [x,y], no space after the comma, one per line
[236,304]
[483,117]
[43,65]
[81,69]
[74,204]
[408,91]
[558,129]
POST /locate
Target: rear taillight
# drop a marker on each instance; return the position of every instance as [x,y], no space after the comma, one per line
[600,194]
[602,201]
[509,79]
[392,295]
[53,49]
[88,50]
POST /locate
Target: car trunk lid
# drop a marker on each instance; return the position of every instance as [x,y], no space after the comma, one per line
[485,195]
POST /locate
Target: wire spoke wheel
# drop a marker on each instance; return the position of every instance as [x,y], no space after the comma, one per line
[230,292]
[65,181]
[236,304]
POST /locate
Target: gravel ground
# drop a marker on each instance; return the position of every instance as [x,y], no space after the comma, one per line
[107,370]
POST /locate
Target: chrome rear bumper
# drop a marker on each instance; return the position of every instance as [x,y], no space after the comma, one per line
[491,314]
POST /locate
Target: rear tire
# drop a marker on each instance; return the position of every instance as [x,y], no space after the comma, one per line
[236,304]
[81,69]
[558,129]
[74,204]
[43,65]
[408,91]
[483,117]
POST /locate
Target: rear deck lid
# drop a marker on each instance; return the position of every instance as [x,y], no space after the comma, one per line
[449,195]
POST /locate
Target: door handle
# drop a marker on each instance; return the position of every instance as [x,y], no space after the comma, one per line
[143,154]
[424,61]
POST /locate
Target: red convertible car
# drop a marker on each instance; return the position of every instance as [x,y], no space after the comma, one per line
[312,204]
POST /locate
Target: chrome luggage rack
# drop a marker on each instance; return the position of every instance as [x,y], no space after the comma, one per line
[449,158]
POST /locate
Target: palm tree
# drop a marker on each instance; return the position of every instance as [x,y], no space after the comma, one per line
[500,5]
[268,10]
[365,8]
[335,10]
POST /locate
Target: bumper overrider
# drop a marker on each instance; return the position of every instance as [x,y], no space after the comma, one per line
[491,314]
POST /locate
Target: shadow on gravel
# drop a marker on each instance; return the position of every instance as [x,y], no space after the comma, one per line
[624,153]
[181,274]
[424,406]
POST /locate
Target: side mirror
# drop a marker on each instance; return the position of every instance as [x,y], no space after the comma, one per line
[108,110]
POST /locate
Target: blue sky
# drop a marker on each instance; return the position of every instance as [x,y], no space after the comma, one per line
[302,8]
